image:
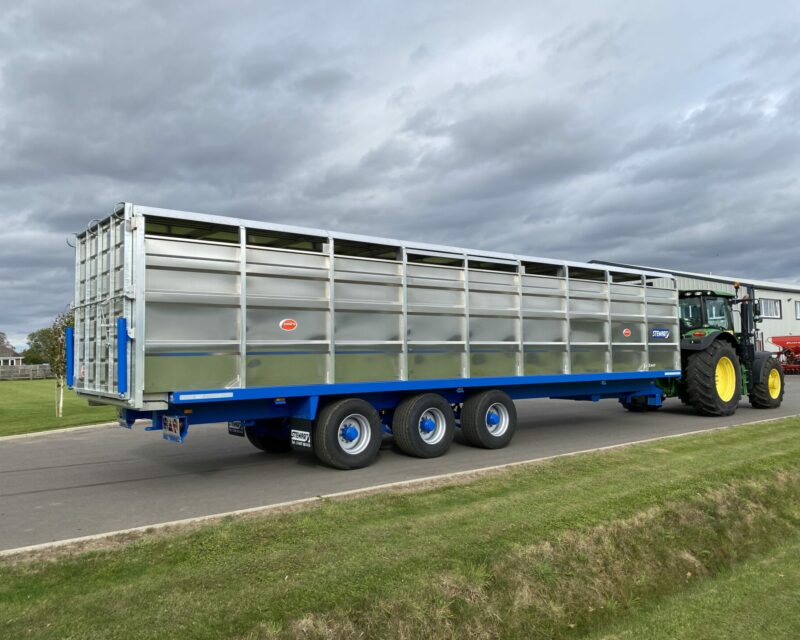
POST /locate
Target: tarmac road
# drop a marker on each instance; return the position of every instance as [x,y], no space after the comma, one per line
[66,485]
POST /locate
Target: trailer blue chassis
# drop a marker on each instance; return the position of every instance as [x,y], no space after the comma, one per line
[300,403]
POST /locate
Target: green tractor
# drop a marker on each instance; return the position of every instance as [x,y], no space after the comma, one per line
[720,365]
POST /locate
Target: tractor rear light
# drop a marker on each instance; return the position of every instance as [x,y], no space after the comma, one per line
[698,334]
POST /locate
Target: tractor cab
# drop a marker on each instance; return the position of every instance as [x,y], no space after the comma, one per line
[703,311]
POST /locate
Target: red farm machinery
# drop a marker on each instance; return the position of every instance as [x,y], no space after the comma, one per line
[789,353]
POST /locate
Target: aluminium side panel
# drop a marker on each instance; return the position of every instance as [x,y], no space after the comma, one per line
[192,320]
[290,317]
[222,311]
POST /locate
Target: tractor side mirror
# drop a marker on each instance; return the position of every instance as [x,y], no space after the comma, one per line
[757,309]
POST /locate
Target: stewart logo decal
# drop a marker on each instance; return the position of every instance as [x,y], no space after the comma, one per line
[659,334]
[301,438]
[288,324]
[626,332]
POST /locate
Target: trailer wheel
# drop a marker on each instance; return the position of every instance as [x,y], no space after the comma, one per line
[714,380]
[424,425]
[636,405]
[489,419]
[639,404]
[347,434]
[270,435]
[767,393]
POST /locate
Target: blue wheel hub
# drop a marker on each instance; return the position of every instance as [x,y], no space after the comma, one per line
[492,419]
[349,433]
[427,425]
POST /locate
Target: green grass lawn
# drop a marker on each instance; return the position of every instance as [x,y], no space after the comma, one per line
[29,405]
[756,599]
[606,543]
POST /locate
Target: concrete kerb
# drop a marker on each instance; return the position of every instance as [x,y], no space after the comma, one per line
[50,432]
[352,493]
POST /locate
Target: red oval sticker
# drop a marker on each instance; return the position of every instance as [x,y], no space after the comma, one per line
[626,332]
[288,324]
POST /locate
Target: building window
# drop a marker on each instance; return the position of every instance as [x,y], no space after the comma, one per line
[797,310]
[770,308]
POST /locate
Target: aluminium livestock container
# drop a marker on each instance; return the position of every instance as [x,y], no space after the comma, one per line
[184,318]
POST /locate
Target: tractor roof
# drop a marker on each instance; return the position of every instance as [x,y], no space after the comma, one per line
[691,293]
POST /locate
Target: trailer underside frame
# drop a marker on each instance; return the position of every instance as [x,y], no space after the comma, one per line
[301,403]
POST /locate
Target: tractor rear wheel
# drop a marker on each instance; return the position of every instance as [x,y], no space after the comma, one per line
[714,380]
[767,393]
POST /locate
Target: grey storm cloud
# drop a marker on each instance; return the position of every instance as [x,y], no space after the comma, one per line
[659,133]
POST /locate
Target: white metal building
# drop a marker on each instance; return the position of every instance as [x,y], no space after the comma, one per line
[780,302]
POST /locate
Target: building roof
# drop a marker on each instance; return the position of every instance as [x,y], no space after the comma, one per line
[7,352]
[758,284]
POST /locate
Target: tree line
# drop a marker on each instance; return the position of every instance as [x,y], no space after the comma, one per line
[46,345]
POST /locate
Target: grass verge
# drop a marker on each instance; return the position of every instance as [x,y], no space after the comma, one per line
[27,406]
[755,599]
[558,549]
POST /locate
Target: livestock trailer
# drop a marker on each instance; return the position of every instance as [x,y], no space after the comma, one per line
[310,339]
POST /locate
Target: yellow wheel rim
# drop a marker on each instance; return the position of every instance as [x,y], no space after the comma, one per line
[726,379]
[774,384]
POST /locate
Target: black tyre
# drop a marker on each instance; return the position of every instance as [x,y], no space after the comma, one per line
[767,393]
[636,405]
[714,380]
[347,434]
[489,419]
[271,436]
[424,425]
[639,404]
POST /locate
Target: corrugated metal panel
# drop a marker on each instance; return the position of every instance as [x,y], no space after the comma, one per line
[219,311]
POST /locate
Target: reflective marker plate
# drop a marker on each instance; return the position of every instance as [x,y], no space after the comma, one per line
[173,428]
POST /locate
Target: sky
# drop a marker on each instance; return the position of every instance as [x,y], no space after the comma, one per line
[661,133]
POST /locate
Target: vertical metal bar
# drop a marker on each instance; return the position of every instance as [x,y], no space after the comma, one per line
[520,322]
[609,332]
[467,351]
[87,271]
[78,304]
[242,307]
[331,314]
[676,351]
[139,272]
[568,353]
[127,289]
[646,324]
[98,313]
[112,265]
[404,317]
[70,353]
[122,356]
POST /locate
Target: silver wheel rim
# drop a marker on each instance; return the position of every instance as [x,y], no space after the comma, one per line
[496,419]
[436,417]
[356,441]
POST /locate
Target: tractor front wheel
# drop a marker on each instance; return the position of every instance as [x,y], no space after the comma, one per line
[714,380]
[767,393]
